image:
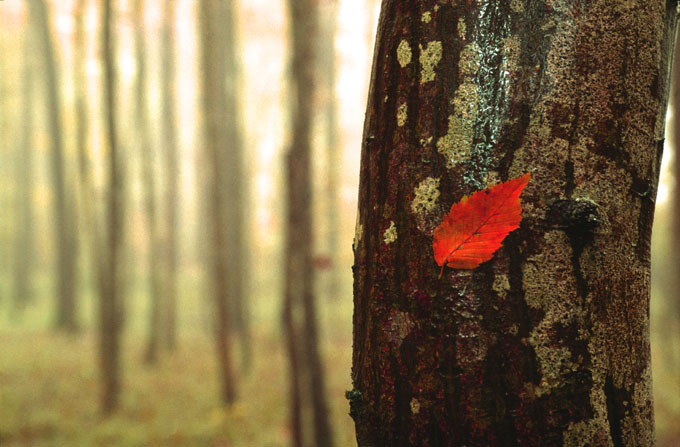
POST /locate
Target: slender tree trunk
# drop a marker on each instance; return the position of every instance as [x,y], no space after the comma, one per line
[672,326]
[302,336]
[91,225]
[169,144]
[328,71]
[110,309]
[212,13]
[236,189]
[65,236]
[547,343]
[149,180]
[23,286]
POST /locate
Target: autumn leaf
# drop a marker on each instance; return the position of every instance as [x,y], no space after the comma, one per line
[476,226]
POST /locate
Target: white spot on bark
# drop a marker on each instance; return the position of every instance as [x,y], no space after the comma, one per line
[427,196]
[426,17]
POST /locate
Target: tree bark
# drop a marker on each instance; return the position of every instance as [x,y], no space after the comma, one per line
[214,95]
[110,294]
[169,144]
[548,343]
[64,230]
[302,333]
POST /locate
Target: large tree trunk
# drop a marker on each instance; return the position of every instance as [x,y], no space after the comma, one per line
[307,378]
[548,343]
[110,293]
[24,250]
[212,13]
[64,228]
[146,149]
[169,144]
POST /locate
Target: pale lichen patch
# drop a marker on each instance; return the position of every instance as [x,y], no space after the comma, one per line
[415,406]
[402,113]
[455,146]
[462,28]
[427,196]
[511,48]
[516,5]
[501,285]
[426,17]
[429,58]
[390,234]
[404,53]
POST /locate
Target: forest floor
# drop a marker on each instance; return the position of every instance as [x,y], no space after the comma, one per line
[49,386]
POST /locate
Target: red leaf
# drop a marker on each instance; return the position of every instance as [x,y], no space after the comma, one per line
[476,226]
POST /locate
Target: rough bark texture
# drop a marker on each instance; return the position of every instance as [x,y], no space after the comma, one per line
[299,312]
[548,343]
[214,95]
[110,293]
[64,230]
[169,145]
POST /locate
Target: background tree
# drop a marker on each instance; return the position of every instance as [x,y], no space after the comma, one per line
[307,384]
[217,146]
[548,343]
[110,294]
[23,255]
[64,211]
[170,156]
[147,150]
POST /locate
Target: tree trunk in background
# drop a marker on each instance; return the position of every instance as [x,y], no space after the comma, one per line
[110,297]
[214,96]
[64,228]
[169,144]
[236,190]
[333,145]
[24,251]
[548,343]
[671,327]
[299,300]
[92,230]
[146,149]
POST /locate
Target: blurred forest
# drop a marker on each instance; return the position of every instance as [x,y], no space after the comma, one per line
[178,184]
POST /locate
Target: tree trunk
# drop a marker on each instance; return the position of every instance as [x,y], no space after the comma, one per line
[548,343]
[149,181]
[236,190]
[302,334]
[110,294]
[671,326]
[169,144]
[333,145]
[212,14]
[24,252]
[65,235]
